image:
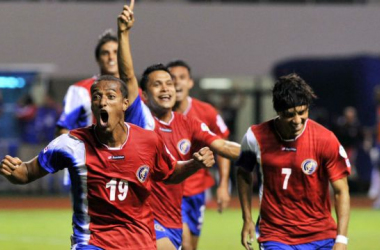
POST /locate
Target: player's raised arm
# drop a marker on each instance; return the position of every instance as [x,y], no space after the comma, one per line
[19,172]
[125,22]
[204,158]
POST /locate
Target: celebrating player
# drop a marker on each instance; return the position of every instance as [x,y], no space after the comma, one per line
[194,198]
[297,158]
[181,134]
[112,167]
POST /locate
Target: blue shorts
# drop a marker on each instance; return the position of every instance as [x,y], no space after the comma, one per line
[193,208]
[85,247]
[319,244]
[174,234]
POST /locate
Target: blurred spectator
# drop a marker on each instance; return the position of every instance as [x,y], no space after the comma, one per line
[349,132]
[46,118]
[229,108]
[26,112]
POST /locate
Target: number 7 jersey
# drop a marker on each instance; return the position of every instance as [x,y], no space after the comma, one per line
[110,186]
[294,196]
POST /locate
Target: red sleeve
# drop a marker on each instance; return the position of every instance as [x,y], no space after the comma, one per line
[336,160]
[216,123]
[202,135]
[165,161]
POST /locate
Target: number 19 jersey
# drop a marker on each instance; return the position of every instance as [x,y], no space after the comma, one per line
[111,186]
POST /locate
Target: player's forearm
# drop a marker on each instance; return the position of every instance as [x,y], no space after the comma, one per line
[228,149]
[244,183]
[125,64]
[342,208]
[182,170]
[224,166]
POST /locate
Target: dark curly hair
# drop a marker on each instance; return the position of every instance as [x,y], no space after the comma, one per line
[291,91]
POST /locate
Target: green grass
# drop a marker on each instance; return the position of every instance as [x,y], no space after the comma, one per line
[51,229]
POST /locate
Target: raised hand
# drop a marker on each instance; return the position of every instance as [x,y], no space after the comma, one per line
[126,19]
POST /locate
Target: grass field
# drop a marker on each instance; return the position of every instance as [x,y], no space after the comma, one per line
[51,229]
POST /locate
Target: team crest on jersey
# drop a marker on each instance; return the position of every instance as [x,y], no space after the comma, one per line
[309,166]
[142,173]
[159,228]
[204,127]
[184,146]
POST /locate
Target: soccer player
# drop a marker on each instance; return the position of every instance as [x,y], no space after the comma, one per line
[112,166]
[297,159]
[194,202]
[77,102]
[181,134]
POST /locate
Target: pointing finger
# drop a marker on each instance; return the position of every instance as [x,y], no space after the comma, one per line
[132,5]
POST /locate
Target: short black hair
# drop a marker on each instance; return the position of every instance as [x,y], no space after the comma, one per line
[291,91]
[107,36]
[150,69]
[123,85]
[179,63]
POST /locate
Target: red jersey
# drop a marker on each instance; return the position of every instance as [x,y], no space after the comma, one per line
[182,135]
[110,186]
[202,180]
[295,200]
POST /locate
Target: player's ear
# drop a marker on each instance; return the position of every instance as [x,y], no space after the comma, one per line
[191,83]
[144,95]
[125,104]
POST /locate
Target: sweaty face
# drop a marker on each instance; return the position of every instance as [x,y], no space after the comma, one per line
[160,91]
[108,104]
[182,80]
[108,59]
[291,122]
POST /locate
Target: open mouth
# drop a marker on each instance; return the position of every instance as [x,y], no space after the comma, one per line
[165,97]
[112,63]
[103,118]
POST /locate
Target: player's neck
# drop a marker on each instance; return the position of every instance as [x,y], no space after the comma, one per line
[182,106]
[163,115]
[113,139]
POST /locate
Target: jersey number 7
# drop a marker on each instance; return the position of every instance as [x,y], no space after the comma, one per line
[287,172]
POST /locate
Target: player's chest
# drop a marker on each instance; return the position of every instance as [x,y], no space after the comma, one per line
[300,157]
[178,139]
[129,165]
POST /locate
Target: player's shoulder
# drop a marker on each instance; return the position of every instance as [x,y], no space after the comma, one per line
[203,105]
[318,128]
[64,143]
[185,119]
[263,127]
[147,133]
